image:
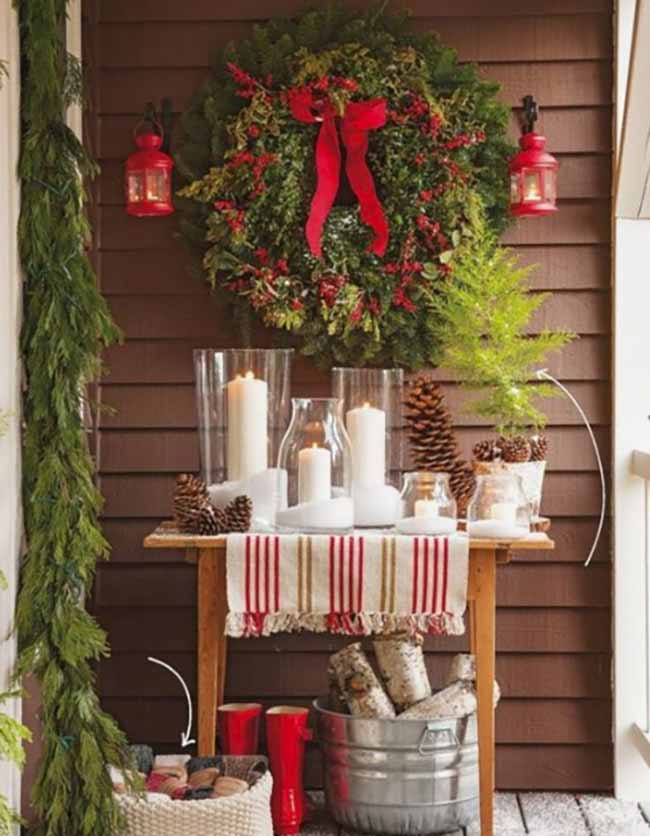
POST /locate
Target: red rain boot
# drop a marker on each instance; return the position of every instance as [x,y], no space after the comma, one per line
[286,734]
[239,725]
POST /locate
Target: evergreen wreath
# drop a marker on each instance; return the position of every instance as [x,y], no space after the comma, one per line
[66,325]
[358,286]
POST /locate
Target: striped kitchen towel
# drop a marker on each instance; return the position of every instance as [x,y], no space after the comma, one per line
[358,584]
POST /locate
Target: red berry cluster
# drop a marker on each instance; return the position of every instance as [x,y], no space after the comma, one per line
[259,163]
[245,81]
[464,140]
[329,289]
[234,217]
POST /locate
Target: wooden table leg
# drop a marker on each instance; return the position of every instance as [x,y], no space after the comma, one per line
[212,608]
[483,638]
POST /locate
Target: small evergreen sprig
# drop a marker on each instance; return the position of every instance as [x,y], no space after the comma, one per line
[485,312]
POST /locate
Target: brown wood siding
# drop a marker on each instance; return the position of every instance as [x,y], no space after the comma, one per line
[553,622]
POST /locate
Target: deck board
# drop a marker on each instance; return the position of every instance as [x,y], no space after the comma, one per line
[608,817]
[535,814]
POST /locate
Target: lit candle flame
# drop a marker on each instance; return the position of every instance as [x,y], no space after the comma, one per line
[249,375]
[366,405]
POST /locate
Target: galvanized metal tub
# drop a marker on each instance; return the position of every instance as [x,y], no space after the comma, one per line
[399,777]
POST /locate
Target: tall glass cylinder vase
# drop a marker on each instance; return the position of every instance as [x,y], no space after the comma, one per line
[372,406]
[243,402]
[315,454]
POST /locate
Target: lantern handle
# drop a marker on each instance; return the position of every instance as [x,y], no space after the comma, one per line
[151,117]
[531,114]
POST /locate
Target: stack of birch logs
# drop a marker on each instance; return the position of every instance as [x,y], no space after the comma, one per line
[401,689]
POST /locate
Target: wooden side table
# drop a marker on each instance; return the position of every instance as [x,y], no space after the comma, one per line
[485,555]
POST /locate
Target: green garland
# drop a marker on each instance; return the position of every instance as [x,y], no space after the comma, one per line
[66,325]
[439,164]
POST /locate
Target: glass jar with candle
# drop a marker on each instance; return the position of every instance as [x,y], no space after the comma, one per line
[499,509]
[243,405]
[428,505]
[372,408]
[316,455]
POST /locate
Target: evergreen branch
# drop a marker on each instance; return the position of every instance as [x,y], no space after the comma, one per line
[485,313]
[66,325]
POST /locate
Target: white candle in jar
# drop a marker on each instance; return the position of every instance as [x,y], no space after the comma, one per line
[314,474]
[366,427]
[247,427]
[426,508]
[504,512]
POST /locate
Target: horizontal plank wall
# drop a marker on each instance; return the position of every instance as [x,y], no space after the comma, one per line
[553,621]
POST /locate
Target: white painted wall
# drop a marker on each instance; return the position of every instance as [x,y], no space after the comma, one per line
[10,295]
[631,431]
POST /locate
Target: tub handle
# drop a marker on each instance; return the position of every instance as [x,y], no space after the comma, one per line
[428,742]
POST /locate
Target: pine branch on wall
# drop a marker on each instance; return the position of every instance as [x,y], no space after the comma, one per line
[66,325]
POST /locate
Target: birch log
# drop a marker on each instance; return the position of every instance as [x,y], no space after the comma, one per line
[401,665]
[335,699]
[457,700]
[463,669]
[359,684]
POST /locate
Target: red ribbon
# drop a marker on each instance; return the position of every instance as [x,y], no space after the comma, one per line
[359,118]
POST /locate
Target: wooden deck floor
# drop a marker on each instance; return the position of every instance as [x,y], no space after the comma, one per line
[539,814]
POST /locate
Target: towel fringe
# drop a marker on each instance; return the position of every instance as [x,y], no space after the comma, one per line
[249,625]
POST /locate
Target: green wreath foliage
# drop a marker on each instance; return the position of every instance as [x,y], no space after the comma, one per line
[439,166]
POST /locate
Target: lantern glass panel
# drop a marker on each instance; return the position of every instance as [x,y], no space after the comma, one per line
[515,188]
[532,186]
[158,187]
[550,185]
[135,182]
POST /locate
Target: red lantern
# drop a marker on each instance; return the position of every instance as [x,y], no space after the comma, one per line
[533,171]
[149,175]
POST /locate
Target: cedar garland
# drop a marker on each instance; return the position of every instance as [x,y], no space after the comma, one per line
[66,325]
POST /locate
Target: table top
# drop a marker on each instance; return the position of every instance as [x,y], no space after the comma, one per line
[167,536]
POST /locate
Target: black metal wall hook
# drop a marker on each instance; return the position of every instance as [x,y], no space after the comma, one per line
[531,114]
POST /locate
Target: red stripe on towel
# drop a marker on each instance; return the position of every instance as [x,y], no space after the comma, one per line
[434,599]
[360,576]
[332,574]
[445,575]
[277,574]
[416,560]
[425,579]
[247,574]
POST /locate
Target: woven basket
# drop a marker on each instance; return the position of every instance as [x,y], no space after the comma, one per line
[247,814]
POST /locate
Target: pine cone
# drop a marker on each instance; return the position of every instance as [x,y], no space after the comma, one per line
[190,496]
[515,449]
[211,520]
[487,451]
[463,483]
[433,441]
[239,513]
[538,448]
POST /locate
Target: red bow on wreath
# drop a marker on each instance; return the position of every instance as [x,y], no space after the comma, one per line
[359,118]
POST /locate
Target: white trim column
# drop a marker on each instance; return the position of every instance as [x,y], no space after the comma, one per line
[10,307]
[631,298]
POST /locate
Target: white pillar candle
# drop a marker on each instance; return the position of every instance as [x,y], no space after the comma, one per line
[247,427]
[367,430]
[504,512]
[426,508]
[314,474]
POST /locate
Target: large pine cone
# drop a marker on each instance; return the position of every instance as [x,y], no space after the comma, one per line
[429,427]
[211,520]
[538,448]
[515,449]
[190,496]
[433,440]
[239,514]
